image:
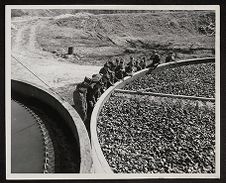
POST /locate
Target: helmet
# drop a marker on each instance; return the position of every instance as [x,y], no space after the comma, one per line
[96,77]
[86,79]
[106,64]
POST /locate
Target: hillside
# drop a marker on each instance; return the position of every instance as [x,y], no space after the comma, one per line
[100,37]
[56,12]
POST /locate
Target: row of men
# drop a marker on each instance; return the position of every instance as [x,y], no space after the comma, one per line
[88,92]
[115,71]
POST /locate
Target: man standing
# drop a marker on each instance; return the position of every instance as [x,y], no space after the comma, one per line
[79,98]
[98,88]
[105,70]
[130,67]
[143,63]
[108,75]
[106,81]
[116,62]
[137,65]
[112,65]
[170,57]
[90,98]
[94,91]
[120,70]
[155,60]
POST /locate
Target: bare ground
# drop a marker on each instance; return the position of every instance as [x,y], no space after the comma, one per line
[98,38]
[56,74]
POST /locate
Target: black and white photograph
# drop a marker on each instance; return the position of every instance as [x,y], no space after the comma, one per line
[112,91]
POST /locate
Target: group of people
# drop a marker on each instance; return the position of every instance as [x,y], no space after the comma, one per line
[88,92]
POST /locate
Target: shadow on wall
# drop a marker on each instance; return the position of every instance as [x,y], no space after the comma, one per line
[71,119]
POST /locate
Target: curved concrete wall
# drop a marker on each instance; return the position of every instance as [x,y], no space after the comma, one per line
[100,164]
[65,110]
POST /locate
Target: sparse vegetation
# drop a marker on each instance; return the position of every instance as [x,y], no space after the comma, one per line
[97,38]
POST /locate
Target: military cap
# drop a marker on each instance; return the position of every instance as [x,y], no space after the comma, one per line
[96,77]
[86,79]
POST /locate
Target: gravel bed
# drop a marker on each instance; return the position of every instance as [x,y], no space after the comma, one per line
[146,134]
[192,80]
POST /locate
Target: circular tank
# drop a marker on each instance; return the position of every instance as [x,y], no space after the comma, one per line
[99,161]
[47,134]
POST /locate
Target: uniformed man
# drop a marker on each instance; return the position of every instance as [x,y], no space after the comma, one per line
[107,73]
[120,70]
[105,70]
[90,98]
[131,62]
[170,57]
[137,65]
[79,98]
[107,81]
[116,62]
[112,65]
[98,87]
[143,63]
[130,67]
[155,60]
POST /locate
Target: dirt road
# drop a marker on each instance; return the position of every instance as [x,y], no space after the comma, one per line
[43,64]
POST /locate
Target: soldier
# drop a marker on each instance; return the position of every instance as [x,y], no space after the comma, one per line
[79,98]
[115,66]
[104,70]
[98,87]
[122,61]
[106,81]
[130,67]
[170,57]
[155,60]
[137,66]
[116,62]
[131,62]
[90,98]
[143,63]
[107,73]
[112,65]
[120,71]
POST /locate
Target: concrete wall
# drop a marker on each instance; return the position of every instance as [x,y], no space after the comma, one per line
[100,164]
[66,111]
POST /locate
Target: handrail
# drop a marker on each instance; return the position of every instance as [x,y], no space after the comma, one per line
[165,95]
[100,164]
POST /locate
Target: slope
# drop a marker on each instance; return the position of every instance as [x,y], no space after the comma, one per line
[97,38]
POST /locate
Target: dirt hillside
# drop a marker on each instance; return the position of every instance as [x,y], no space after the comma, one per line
[101,37]
[40,39]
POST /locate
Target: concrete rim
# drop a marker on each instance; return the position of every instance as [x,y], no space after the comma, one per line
[98,156]
[83,137]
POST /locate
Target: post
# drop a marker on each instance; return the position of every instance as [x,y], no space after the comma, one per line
[70,50]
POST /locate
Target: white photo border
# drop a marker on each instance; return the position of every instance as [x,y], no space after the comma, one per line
[70,176]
